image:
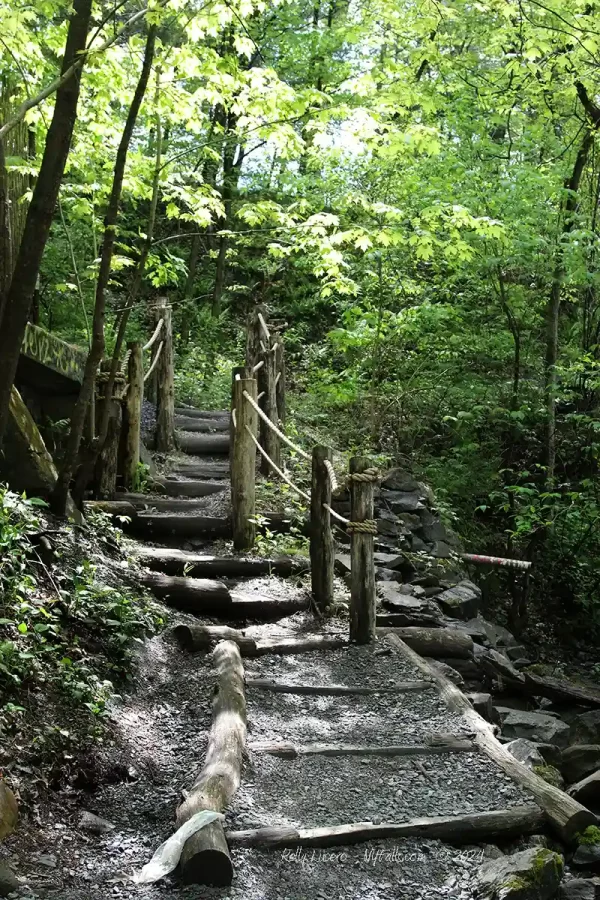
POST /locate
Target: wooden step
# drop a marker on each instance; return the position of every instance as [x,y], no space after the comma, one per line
[336,690]
[201,426]
[201,470]
[191,412]
[163,504]
[285,750]
[202,444]
[158,525]
[176,487]
[200,565]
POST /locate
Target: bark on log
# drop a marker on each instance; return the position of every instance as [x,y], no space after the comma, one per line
[132,415]
[322,550]
[201,426]
[165,403]
[336,690]
[111,507]
[257,606]
[202,444]
[436,642]
[406,620]
[566,815]
[195,595]
[204,637]
[300,645]
[362,572]
[105,475]
[198,565]
[173,487]
[145,502]
[201,470]
[468,829]
[285,750]
[559,691]
[205,858]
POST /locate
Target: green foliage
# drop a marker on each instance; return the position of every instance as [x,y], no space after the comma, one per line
[591,835]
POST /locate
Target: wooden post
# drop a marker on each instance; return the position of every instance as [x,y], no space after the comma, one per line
[105,476]
[362,575]
[280,378]
[254,336]
[243,464]
[132,415]
[165,401]
[270,441]
[322,554]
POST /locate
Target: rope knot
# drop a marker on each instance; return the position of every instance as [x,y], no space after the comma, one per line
[369,526]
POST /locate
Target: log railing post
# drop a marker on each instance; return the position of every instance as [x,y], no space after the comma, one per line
[362,575]
[243,464]
[322,555]
[254,336]
[270,441]
[165,400]
[132,415]
[280,378]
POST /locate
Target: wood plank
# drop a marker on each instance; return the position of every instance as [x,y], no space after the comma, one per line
[291,751]
[333,690]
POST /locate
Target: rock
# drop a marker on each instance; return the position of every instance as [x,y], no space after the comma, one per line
[95,824]
[388,522]
[342,563]
[579,761]
[433,530]
[441,550]
[517,723]
[9,812]
[587,791]
[499,666]
[390,561]
[417,545]
[550,752]
[394,599]
[482,703]
[577,889]
[8,880]
[410,521]
[587,855]
[532,874]
[382,574]
[499,637]
[461,601]
[400,480]
[526,752]
[551,775]
[400,502]
[585,728]
[449,671]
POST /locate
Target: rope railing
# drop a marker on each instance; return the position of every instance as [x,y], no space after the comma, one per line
[276,468]
[125,362]
[154,362]
[274,427]
[332,477]
[155,335]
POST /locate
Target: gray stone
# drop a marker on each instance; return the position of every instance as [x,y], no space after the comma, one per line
[399,480]
[95,824]
[449,671]
[526,752]
[579,761]
[436,531]
[461,601]
[532,874]
[587,791]
[417,545]
[517,723]
[577,889]
[499,637]
[499,666]
[342,563]
[410,521]
[585,728]
[482,703]
[388,560]
[587,856]
[441,550]
[393,598]
[387,522]
[399,502]
[551,753]
[8,880]
[382,574]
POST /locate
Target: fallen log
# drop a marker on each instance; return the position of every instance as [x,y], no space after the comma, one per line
[202,413]
[468,829]
[257,606]
[300,645]
[434,642]
[174,487]
[141,502]
[204,637]
[286,750]
[195,595]
[199,565]
[334,690]
[566,815]
[559,691]
[111,507]
[205,858]
[202,444]
[157,524]
[406,620]
[201,426]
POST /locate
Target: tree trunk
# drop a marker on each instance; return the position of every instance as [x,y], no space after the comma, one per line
[41,210]
[94,359]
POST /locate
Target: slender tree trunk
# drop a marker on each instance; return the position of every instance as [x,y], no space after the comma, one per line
[94,359]
[41,210]
[231,172]
[188,289]
[6,261]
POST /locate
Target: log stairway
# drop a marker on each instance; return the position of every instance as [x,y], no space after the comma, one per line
[347,743]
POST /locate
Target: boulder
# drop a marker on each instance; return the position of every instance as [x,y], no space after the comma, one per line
[578,889]
[461,601]
[587,791]
[550,774]
[585,728]
[551,753]
[587,855]
[499,666]
[526,752]
[95,824]
[449,671]
[517,723]
[532,874]
[401,502]
[482,703]
[393,598]
[417,545]
[399,480]
[432,529]
[389,561]
[342,563]
[388,523]
[410,521]
[8,881]
[9,812]
[440,550]
[579,761]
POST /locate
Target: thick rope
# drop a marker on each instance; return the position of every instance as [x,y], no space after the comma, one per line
[125,362]
[277,469]
[154,362]
[331,473]
[233,418]
[336,515]
[154,337]
[372,475]
[274,427]
[369,526]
